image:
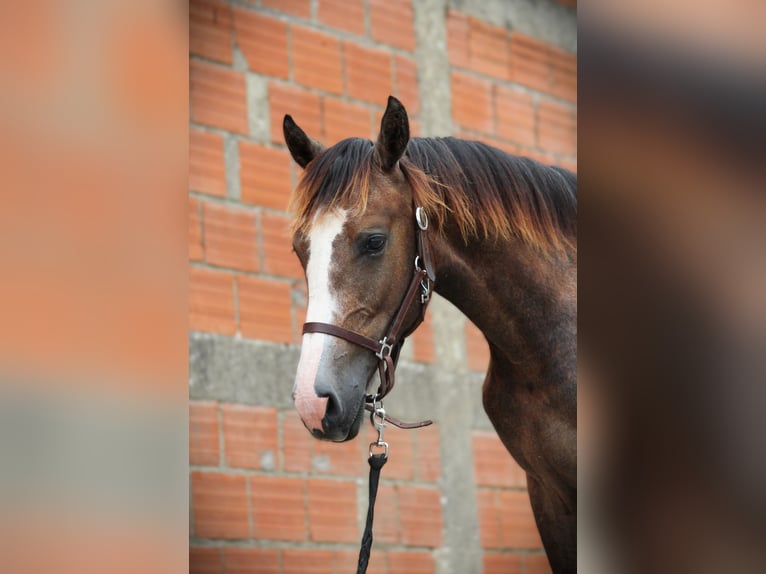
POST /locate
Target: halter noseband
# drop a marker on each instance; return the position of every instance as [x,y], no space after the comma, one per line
[387,349]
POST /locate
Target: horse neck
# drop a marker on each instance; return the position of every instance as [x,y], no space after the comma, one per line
[523,301]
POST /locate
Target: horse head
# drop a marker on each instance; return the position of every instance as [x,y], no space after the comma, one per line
[354,235]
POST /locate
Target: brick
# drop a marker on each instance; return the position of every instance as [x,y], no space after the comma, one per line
[203,433]
[515,116]
[344,120]
[387,529]
[489,519]
[423,341]
[264,175]
[428,460]
[264,309]
[205,561]
[263,42]
[219,503]
[210,25]
[278,511]
[488,49]
[368,73]
[507,147]
[346,560]
[415,131]
[298,444]
[457,38]
[339,458]
[471,102]
[407,84]
[316,60]
[211,301]
[249,436]
[218,97]
[502,563]
[195,231]
[476,348]
[529,62]
[401,465]
[302,105]
[297,561]
[420,515]
[411,563]
[562,81]
[278,256]
[544,158]
[537,564]
[251,560]
[231,237]
[517,523]
[566,164]
[556,128]
[332,511]
[493,465]
[207,170]
[345,15]
[378,563]
[392,23]
[300,8]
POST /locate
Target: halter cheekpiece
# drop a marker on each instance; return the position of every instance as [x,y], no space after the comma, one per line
[388,347]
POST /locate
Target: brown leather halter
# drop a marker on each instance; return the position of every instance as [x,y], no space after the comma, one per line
[387,349]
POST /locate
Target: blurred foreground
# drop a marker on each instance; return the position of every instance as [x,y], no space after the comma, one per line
[672,287]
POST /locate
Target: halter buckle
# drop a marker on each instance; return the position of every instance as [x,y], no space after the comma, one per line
[385,349]
[425,285]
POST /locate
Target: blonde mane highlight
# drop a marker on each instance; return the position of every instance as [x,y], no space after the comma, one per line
[485,192]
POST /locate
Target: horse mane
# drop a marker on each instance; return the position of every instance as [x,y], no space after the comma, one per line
[482,190]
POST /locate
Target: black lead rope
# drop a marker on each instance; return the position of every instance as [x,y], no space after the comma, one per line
[378,420]
[376,463]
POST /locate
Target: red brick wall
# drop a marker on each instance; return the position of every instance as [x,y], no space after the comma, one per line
[258,477]
[265,496]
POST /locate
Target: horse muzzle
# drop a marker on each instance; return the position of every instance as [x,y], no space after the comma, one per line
[329,415]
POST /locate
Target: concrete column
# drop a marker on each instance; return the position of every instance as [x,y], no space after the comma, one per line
[461,551]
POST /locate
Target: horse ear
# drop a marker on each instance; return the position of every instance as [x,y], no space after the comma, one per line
[394,134]
[302,147]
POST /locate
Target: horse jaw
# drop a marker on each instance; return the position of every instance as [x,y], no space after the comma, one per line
[322,307]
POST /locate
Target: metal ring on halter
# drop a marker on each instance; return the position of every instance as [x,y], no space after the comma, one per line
[383,444]
[421,218]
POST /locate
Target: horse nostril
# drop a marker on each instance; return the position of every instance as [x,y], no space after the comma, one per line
[333,408]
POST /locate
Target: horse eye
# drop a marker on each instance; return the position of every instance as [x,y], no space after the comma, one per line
[375,244]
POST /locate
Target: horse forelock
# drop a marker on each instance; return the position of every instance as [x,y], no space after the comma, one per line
[339,178]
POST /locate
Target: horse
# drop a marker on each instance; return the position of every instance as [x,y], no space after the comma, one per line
[501,235]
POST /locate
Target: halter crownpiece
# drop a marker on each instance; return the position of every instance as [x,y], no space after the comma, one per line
[387,348]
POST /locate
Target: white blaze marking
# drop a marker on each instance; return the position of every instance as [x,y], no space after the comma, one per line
[322,307]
